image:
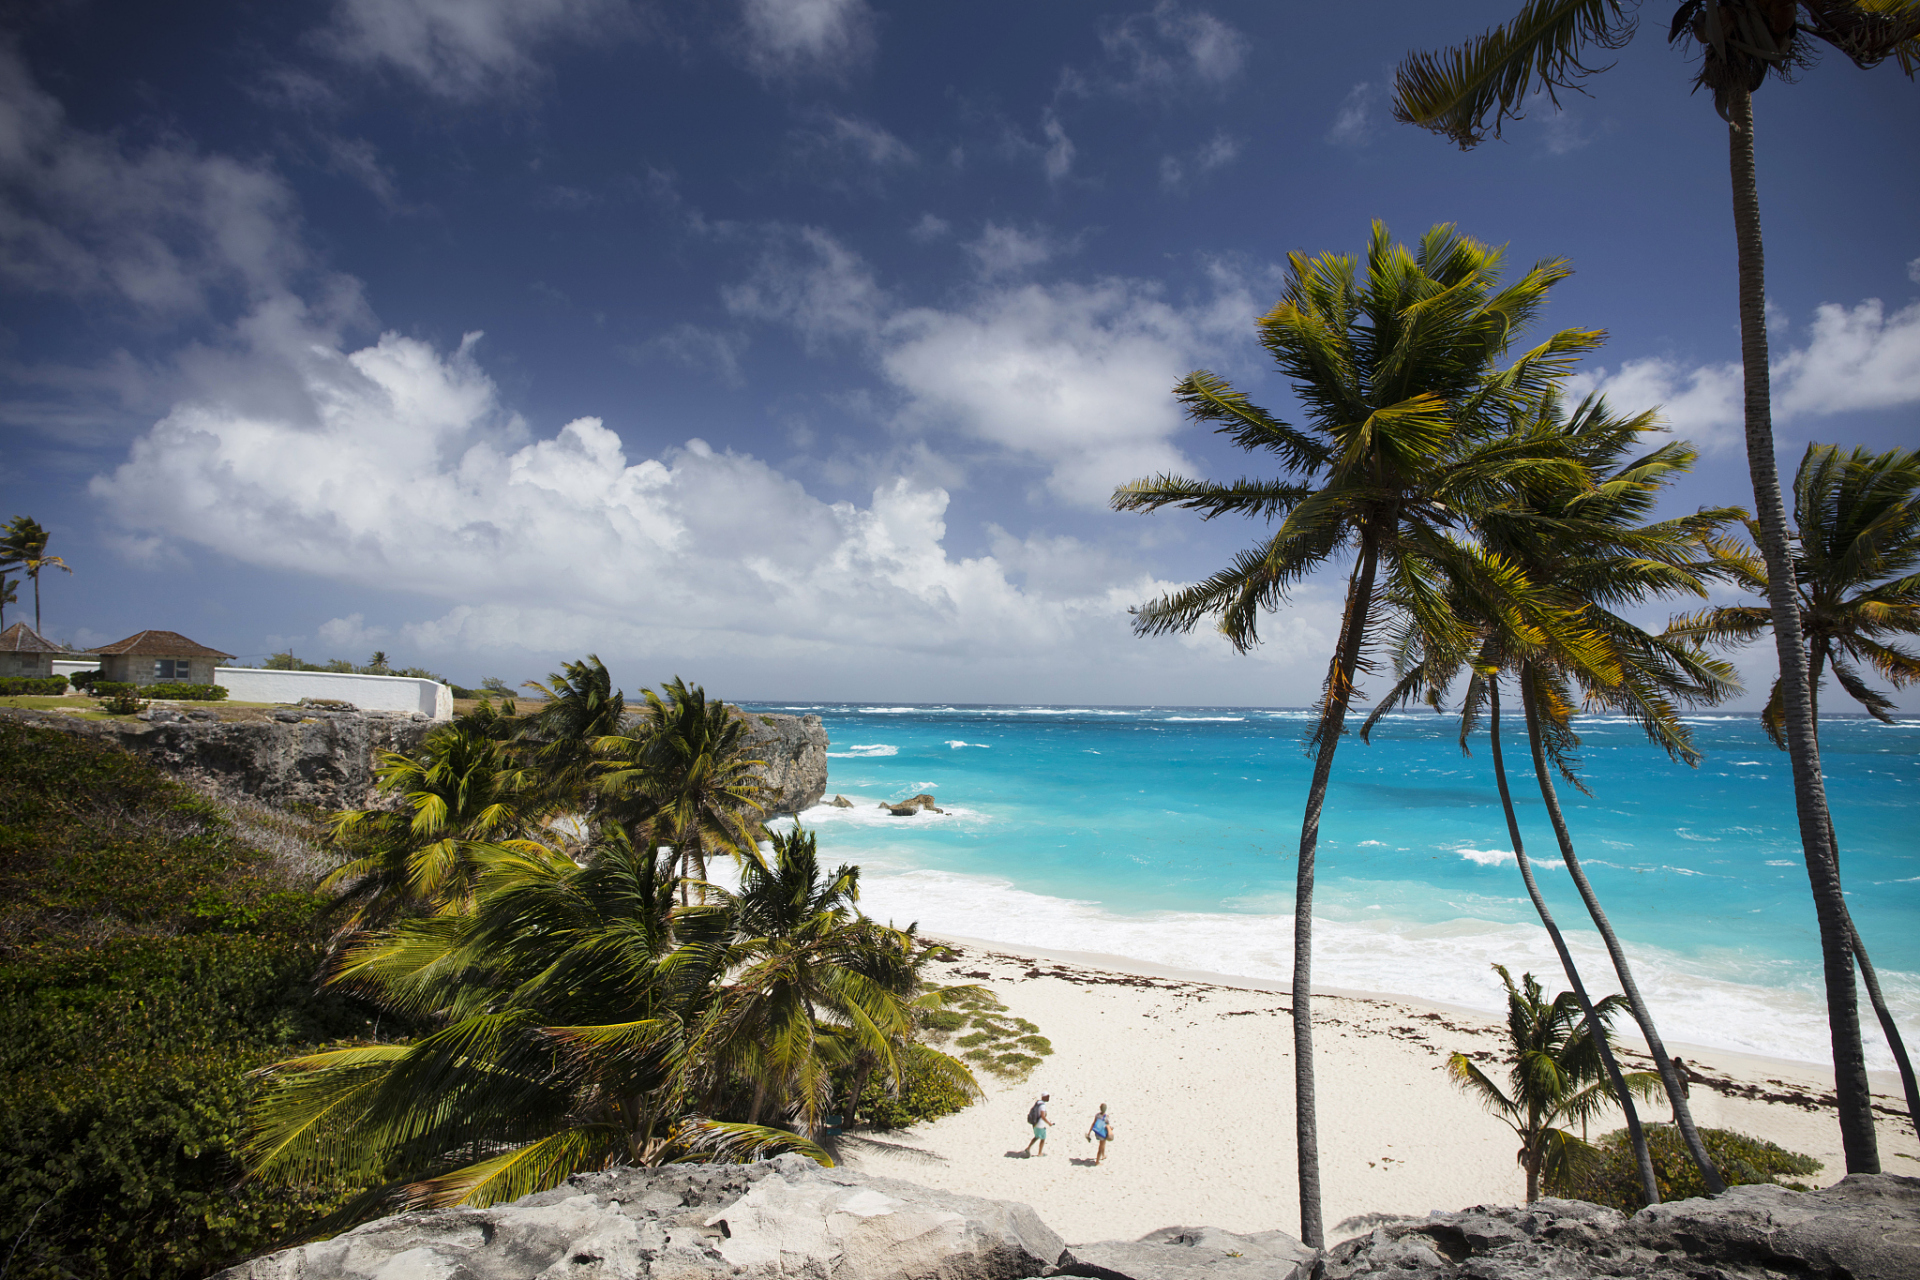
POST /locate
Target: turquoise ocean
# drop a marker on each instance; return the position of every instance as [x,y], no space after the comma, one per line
[1169,834]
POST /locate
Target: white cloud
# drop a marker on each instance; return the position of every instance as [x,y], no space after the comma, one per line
[1855,358]
[464,49]
[863,140]
[707,349]
[1220,150]
[162,228]
[1353,124]
[807,37]
[1057,157]
[1913,271]
[1071,377]
[405,474]
[1167,49]
[1009,250]
[931,227]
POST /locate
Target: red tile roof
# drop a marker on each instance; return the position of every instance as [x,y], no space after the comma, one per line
[21,638]
[160,644]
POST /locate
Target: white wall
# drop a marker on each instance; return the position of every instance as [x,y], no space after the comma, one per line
[369,693]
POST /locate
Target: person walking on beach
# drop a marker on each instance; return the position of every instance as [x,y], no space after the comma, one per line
[1101,1128]
[1038,1118]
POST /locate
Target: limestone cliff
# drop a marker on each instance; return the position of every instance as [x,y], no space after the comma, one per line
[795,751]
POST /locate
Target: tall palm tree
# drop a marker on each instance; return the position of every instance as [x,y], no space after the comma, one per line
[9,594]
[812,983]
[1739,43]
[24,546]
[1555,1079]
[465,797]
[1399,374]
[1856,553]
[566,1007]
[684,776]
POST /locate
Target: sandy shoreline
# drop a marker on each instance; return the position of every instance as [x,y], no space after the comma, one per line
[1197,1070]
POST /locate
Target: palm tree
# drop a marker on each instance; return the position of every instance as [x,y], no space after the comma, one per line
[466,798]
[581,707]
[1555,562]
[1555,1079]
[683,776]
[1739,42]
[1399,376]
[9,594]
[24,545]
[812,983]
[566,1007]
[1855,556]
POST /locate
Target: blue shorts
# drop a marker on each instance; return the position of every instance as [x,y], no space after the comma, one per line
[1040,1131]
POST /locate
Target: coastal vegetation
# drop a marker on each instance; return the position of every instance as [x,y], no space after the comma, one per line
[1609,1177]
[1739,44]
[541,907]
[1557,1079]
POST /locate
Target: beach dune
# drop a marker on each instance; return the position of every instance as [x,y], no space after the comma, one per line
[1197,1071]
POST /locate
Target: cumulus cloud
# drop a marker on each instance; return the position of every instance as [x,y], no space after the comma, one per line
[162,228]
[1853,358]
[1072,377]
[785,38]
[1167,49]
[463,49]
[407,474]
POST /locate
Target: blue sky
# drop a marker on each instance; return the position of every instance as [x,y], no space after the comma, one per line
[794,345]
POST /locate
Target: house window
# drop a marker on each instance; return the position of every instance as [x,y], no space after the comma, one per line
[172,669]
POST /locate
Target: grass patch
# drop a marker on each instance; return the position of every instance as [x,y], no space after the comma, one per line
[993,1039]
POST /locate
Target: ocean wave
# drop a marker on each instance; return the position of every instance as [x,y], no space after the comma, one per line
[1770,1014]
[1488,857]
[1196,719]
[956,744]
[858,751]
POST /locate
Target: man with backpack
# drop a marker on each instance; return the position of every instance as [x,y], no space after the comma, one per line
[1038,1118]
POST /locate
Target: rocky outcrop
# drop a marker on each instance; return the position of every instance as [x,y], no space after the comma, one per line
[907,808]
[1192,1253]
[305,756]
[795,751]
[789,1219]
[781,1220]
[1866,1227]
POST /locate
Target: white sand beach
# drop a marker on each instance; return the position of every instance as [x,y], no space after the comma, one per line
[1197,1072]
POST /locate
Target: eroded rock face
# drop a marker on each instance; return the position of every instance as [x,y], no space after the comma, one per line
[306,757]
[1192,1253]
[795,749]
[781,1219]
[1866,1227]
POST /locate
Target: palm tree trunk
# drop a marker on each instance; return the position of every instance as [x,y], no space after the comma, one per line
[1333,718]
[35,575]
[1816,666]
[1676,1091]
[1809,791]
[1642,1158]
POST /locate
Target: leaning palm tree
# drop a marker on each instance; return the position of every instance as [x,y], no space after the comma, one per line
[9,594]
[683,776]
[812,983]
[24,546]
[465,797]
[565,1008]
[581,707]
[1739,43]
[1856,553]
[1399,373]
[1555,1079]
[1555,563]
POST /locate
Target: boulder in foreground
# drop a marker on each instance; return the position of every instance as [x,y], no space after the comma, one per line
[786,1217]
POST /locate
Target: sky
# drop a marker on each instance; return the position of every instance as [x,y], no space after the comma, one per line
[796,346]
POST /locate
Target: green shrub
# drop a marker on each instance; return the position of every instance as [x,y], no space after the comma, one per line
[84,679]
[149,960]
[120,700]
[923,1095]
[1614,1180]
[32,686]
[186,692]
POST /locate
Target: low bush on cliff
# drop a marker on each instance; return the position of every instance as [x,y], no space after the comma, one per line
[32,686]
[149,961]
[1614,1181]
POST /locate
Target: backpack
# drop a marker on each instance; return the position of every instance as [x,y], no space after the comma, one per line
[1035,1111]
